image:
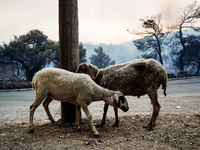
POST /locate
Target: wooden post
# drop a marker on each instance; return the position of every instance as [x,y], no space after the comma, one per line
[68,48]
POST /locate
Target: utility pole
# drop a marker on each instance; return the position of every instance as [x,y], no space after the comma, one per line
[68,48]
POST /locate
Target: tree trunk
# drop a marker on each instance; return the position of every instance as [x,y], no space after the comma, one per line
[29,76]
[183,51]
[68,48]
[159,53]
[198,69]
[159,49]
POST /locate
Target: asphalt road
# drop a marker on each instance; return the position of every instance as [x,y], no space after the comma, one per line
[183,96]
[187,87]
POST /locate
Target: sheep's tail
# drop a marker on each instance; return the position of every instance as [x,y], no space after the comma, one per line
[33,85]
[164,82]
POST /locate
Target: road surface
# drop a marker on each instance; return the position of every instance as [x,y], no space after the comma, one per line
[183,96]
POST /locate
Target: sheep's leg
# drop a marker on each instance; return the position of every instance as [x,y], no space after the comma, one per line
[46,108]
[116,117]
[89,116]
[78,111]
[36,103]
[103,121]
[156,108]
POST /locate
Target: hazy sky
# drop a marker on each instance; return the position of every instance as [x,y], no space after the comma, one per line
[100,21]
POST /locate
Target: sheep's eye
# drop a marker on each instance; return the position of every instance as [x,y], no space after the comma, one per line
[121,98]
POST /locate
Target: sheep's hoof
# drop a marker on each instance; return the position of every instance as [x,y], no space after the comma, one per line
[145,126]
[31,131]
[99,126]
[148,127]
[78,129]
[116,124]
[97,136]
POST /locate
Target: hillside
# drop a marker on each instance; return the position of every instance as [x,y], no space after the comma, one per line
[120,53]
[123,53]
[127,51]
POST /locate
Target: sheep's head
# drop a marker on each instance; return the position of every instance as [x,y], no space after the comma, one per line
[121,102]
[87,68]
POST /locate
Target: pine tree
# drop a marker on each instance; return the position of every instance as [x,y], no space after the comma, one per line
[101,60]
[82,54]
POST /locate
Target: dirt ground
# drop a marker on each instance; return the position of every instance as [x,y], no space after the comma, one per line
[175,129]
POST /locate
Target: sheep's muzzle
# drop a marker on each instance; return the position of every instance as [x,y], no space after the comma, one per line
[122,103]
[124,109]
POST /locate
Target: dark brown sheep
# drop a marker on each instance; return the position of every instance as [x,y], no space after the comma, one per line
[135,78]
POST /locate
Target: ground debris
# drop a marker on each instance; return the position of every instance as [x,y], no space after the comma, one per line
[173,131]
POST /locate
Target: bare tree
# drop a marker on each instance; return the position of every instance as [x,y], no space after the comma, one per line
[153,35]
[68,45]
[192,58]
[186,19]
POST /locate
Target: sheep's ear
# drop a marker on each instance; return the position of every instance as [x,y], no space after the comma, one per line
[90,72]
[115,96]
[116,100]
[82,68]
[85,68]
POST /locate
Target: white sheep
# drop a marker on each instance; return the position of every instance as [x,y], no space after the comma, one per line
[77,89]
[137,77]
